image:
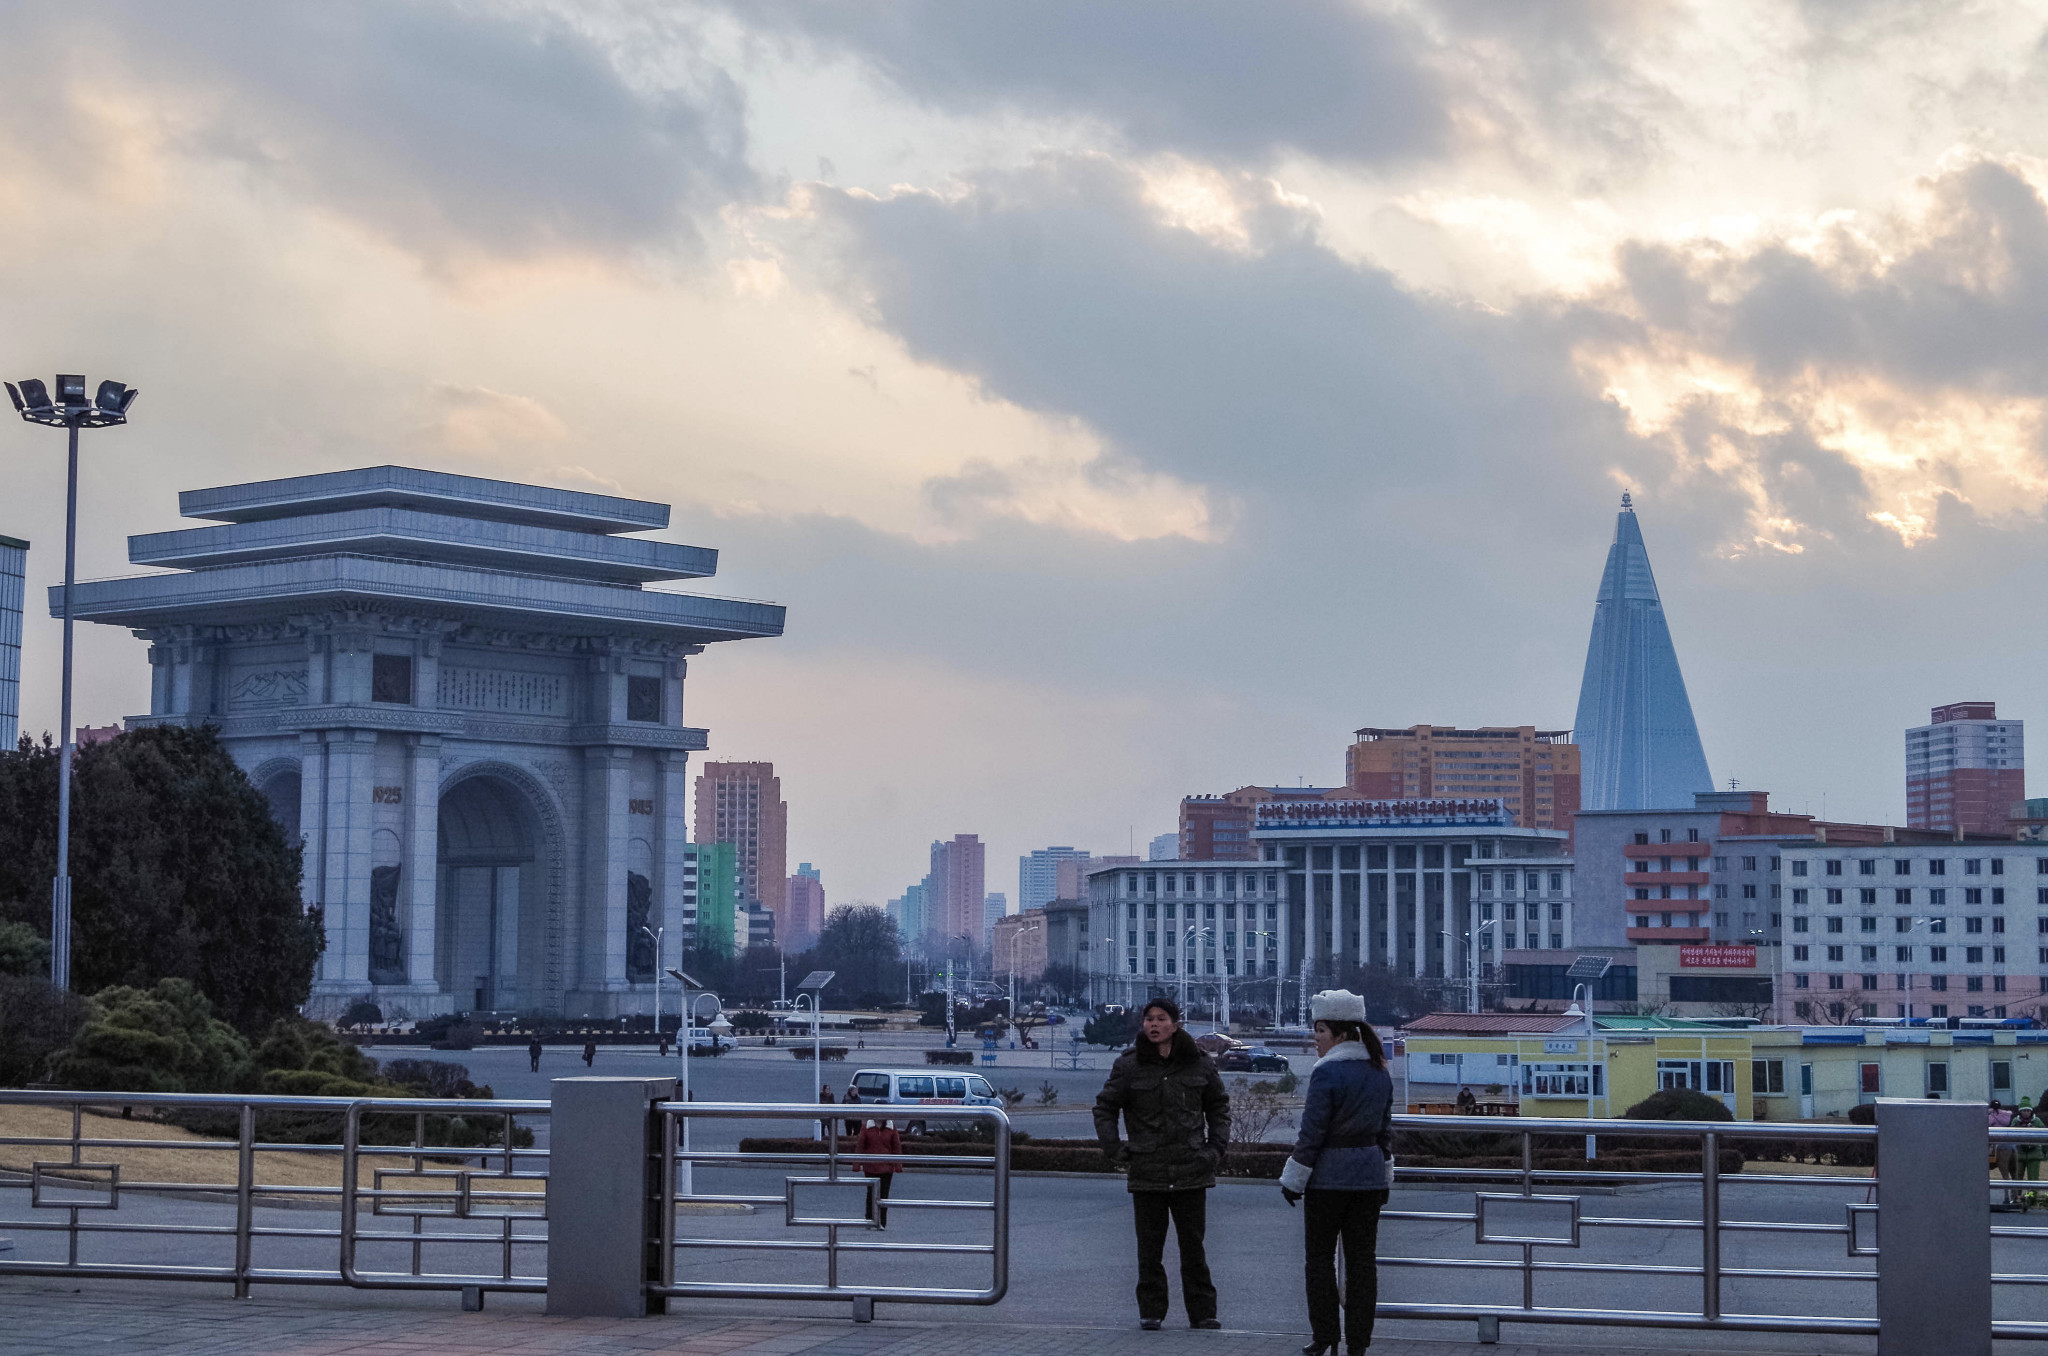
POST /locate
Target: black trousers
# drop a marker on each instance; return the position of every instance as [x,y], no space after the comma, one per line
[1189,1211]
[1354,1218]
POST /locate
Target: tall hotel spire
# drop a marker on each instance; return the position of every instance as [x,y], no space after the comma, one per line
[1639,747]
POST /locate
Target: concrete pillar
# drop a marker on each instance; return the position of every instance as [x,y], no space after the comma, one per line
[1933,1229]
[607,789]
[313,819]
[604,1196]
[672,821]
[346,855]
[422,856]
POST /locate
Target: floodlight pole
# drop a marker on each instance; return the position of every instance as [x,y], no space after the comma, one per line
[60,888]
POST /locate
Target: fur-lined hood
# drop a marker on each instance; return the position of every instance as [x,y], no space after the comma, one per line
[1345,1050]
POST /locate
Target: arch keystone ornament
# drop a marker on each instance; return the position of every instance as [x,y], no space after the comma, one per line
[432,677]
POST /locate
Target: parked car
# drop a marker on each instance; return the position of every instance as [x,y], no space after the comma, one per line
[1252,1059]
[899,1087]
[1216,1043]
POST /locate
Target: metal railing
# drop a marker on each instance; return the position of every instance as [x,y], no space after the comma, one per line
[821,1231]
[112,1213]
[451,1193]
[1537,1189]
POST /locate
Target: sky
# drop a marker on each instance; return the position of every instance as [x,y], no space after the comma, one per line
[1126,401]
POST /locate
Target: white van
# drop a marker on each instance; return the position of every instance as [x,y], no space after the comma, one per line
[705,1041]
[901,1087]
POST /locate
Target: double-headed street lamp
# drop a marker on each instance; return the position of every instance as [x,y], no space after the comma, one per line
[70,410]
[683,1049]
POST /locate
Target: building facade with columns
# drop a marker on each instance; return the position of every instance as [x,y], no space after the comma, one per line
[1421,886]
[459,696]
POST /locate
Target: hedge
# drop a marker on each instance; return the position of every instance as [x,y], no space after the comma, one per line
[1266,1160]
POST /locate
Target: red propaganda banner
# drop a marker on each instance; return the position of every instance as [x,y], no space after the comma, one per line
[1717,957]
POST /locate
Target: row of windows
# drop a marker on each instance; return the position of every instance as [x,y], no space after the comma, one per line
[1868,923]
[1903,983]
[1208,965]
[1643,920]
[1208,939]
[1508,908]
[1153,906]
[1175,883]
[1903,955]
[1532,881]
[1903,866]
[1664,836]
[1972,894]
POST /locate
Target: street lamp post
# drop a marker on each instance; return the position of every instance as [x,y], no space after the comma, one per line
[654,935]
[69,411]
[718,1022]
[1016,941]
[1471,960]
[1187,940]
[812,986]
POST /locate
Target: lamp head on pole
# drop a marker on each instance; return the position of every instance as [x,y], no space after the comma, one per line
[71,408]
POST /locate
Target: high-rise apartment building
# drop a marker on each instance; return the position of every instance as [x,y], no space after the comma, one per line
[1965,769]
[1534,773]
[711,896]
[910,912]
[13,583]
[1038,875]
[805,914]
[741,804]
[1165,848]
[1641,746]
[994,905]
[958,889]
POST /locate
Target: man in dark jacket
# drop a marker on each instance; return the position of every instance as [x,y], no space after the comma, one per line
[1177,1119]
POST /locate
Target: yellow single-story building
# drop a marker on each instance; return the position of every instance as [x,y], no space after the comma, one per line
[1817,1073]
[1554,1064]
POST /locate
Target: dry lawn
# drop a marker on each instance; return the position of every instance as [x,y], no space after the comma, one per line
[188,1166]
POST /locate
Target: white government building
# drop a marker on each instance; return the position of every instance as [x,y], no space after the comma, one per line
[461,697]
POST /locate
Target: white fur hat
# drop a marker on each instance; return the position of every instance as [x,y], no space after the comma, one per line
[1336,1005]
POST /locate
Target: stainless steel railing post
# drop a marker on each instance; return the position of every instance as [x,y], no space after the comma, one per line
[245,1197]
[1710,1225]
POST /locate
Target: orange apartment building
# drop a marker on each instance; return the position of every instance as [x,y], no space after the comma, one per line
[1534,772]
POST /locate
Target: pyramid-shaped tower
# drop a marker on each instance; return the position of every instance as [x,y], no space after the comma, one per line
[1639,747]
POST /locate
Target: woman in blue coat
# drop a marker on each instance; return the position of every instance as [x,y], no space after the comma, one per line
[1341,1165]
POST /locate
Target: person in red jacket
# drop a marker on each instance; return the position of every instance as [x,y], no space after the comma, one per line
[879,1137]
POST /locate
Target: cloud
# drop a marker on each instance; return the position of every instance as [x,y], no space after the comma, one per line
[1209,78]
[1895,362]
[1259,365]
[446,128]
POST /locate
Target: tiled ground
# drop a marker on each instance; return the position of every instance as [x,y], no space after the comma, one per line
[36,1317]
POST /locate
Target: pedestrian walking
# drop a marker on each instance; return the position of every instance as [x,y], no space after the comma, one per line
[589,1053]
[1340,1169]
[2029,1152]
[2004,1157]
[852,1098]
[533,1054]
[880,1137]
[825,1126]
[1176,1120]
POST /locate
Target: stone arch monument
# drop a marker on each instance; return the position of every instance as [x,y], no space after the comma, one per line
[460,695]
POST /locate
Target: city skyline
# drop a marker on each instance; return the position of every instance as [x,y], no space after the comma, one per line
[1045,378]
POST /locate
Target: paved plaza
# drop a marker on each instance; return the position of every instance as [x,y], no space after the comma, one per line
[42,1317]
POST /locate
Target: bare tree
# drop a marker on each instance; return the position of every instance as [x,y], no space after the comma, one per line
[1254,1110]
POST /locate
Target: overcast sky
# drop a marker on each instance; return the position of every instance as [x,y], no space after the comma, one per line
[1125,400]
